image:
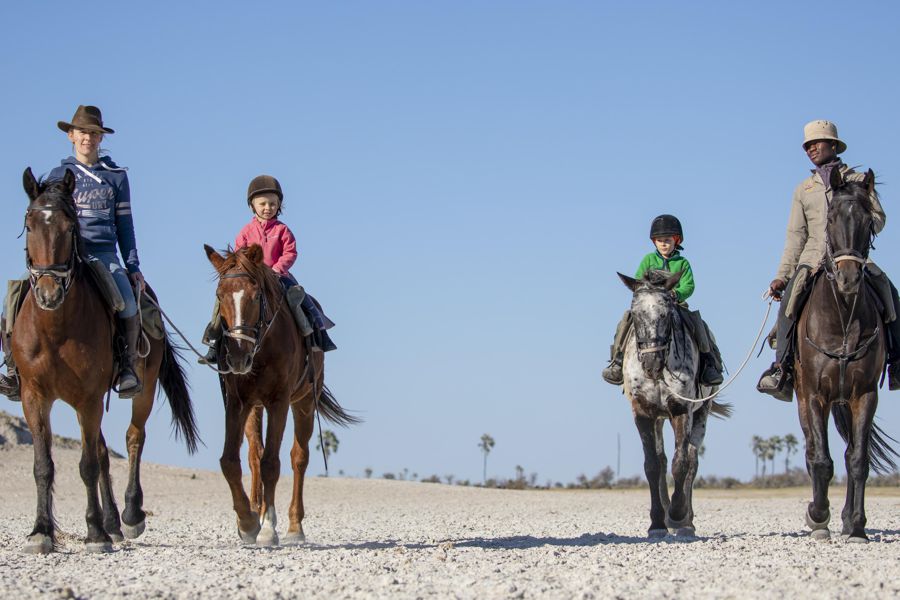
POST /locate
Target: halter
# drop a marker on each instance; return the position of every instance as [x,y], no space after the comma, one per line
[258,332]
[61,274]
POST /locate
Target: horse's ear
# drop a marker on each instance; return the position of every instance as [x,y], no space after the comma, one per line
[214,257]
[255,253]
[32,187]
[69,182]
[869,181]
[672,281]
[837,179]
[630,282]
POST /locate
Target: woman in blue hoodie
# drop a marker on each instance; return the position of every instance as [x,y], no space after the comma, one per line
[103,203]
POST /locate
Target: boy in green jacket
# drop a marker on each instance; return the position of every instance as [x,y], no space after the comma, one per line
[667,235]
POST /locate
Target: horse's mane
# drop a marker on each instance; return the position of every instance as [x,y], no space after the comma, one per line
[858,191]
[263,275]
[53,195]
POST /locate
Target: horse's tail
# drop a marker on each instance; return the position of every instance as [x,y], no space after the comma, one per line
[331,410]
[174,384]
[723,410]
[881,453]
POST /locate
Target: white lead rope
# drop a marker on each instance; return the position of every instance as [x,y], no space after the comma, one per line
[762,328]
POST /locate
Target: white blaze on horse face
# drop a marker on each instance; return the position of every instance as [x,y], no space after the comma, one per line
[238,318]
[48,214]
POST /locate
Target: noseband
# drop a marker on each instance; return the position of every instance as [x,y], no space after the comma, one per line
[257,333]
[61,274]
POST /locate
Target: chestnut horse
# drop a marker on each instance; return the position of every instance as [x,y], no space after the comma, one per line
[63,345]
[268,366]
[841,350]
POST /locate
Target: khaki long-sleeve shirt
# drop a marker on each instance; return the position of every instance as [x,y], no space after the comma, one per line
[804,242]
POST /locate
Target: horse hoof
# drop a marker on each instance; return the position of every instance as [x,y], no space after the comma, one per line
[98,547]
[815,525]
[116,536]
[855,539]
[820,535]
[133,531]
[686,532]
[267,538]
[656,534]
[38,544]
[249,536]
[293,539]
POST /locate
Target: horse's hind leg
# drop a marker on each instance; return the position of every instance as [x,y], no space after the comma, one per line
[303,429]
[814,422]
[270,468]
[134,518]
[247,520]
[647,429]
[253,431]
[37,413]
[111,522]
[857,461]
[90,413]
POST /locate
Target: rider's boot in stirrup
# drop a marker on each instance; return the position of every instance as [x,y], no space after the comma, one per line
[210,339]
[9,383]
[613,373]
[709,374]
[129,384]
[777,382]
[894,375]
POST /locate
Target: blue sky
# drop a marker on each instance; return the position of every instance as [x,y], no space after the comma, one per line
[464,179]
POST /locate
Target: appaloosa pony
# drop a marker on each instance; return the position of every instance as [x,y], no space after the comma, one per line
[661,359]
[841,348]
[268,366]
[62,342]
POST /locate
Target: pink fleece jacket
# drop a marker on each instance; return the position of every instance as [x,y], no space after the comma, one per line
[278,243]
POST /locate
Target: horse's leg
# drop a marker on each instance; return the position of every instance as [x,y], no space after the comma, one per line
[303,428]
[111,522]
[695,441]
[247,520]
[678,516]
[134,517]
[857,460]
[646,427]
[37,413]
[270,468]
[663,465]
[90,414]
[814,423]
[253,431]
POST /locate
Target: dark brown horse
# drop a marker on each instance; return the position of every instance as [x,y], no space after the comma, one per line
[841,349]
[269,367]
[63,345]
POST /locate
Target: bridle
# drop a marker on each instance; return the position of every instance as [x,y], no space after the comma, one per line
[61,274]
[254,334]
[657,343]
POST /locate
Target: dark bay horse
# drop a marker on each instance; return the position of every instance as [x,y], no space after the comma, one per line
[661,359]
[269,367]
[841,349]
[62,342]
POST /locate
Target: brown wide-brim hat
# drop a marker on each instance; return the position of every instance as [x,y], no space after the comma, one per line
[88,118]
[822,130]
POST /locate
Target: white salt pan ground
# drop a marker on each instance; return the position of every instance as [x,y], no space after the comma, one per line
[375,538]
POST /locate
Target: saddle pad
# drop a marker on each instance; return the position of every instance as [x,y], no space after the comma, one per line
[151,319]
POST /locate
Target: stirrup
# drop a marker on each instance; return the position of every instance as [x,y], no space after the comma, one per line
[9,387]
[133,390]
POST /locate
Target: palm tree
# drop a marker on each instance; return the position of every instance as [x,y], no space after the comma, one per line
[328,444]
[756,445]
[487,442]
[776,445]
[790,447]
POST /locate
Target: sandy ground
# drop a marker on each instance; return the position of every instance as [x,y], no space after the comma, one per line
[376,538]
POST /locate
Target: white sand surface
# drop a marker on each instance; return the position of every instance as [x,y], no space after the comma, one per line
[377,538]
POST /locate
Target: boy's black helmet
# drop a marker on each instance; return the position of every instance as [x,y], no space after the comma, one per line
[666,225]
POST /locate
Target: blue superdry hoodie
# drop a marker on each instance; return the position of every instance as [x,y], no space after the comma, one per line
[103,202]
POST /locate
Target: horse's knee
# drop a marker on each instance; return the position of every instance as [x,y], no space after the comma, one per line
[821,468]
[231,468]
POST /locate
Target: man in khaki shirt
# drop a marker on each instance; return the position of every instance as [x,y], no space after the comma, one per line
[804,249]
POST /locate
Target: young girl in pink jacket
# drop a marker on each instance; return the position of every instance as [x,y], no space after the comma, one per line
[279,246]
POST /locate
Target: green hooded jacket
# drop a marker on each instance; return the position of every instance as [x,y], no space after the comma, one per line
[673,264]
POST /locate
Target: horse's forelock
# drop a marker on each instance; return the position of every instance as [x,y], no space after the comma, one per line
[258,271]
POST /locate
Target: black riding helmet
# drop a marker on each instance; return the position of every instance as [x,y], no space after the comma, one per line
[666,225]
[262,184]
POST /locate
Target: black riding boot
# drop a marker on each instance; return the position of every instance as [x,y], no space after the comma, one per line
[211,339]
[709,374]
[129,384]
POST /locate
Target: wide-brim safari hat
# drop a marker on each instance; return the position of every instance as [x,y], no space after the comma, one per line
[88,118]
[822,130]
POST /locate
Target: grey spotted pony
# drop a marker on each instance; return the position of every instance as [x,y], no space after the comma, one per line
[661,360]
